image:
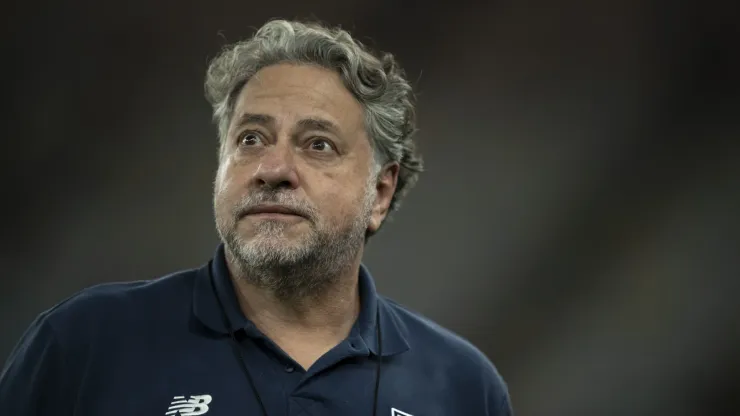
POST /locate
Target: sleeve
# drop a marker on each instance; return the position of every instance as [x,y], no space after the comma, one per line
[32,381]
[497,393]
[504,408]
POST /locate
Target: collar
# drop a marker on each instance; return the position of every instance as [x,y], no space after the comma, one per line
[206,308]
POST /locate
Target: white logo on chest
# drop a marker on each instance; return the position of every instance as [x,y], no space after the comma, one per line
[196,405]
[396,412]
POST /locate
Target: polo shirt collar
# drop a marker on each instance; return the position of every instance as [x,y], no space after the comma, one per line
[215,275]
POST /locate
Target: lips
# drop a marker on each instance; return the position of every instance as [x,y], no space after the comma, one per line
[272,209]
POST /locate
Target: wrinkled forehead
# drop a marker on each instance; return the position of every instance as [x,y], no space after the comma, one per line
[290,93]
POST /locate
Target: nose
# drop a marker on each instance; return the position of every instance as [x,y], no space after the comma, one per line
[276,168]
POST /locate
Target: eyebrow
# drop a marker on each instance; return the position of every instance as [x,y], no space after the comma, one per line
[309,123]
[318,124]
[250,118]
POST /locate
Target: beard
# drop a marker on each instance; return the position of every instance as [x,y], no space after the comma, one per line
[294,268]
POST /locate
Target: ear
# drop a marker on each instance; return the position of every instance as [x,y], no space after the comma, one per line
[385,189]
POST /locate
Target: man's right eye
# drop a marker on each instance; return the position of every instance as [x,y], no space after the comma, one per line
[249,139]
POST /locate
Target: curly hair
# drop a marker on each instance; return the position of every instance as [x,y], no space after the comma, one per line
[375,80]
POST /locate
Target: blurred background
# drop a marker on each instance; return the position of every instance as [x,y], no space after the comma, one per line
[578,220]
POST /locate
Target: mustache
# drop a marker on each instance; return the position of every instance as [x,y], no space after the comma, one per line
[282,199]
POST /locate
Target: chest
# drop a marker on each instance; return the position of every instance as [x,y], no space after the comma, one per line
[176,381]
[151,379]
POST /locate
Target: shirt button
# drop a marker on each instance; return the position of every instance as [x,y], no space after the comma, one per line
[289,369]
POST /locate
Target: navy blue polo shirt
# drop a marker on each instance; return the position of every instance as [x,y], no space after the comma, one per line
[162,347]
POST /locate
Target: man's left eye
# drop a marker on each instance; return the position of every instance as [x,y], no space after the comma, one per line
[321,145]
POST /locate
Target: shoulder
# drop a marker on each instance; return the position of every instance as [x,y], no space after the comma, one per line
[79,333]
[422,331]
[451,353]
[111,305]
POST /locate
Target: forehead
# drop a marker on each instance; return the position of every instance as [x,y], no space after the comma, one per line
[290,92]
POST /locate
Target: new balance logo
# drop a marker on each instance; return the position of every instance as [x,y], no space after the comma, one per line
[396,412]
[196,405]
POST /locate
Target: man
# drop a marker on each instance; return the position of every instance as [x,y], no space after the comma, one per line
[315,151]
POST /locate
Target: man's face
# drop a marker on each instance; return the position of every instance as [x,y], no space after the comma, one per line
[296,179]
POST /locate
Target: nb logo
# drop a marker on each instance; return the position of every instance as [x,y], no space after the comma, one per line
[396,412]
[196,405]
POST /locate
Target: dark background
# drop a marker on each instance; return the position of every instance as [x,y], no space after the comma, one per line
[578,220]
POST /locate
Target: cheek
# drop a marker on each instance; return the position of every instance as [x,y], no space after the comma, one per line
[223,188]
[342,198]
[222,177]
[229,178]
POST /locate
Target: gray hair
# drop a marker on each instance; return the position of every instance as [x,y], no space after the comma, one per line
[376,81]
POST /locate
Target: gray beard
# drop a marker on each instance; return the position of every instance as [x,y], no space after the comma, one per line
[294,272]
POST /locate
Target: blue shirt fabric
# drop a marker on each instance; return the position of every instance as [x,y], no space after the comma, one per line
[162,347]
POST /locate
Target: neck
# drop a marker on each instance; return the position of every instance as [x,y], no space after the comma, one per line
[329,314]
